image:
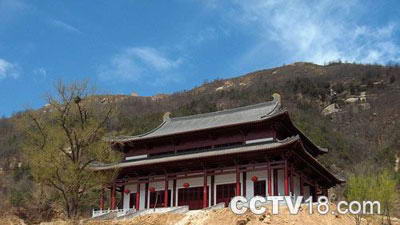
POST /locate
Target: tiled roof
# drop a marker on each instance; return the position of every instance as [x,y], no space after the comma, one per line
[251,113]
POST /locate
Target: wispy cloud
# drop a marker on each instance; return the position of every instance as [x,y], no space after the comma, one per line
[8,70]
[316,31]
[40,72]
[207,34]
[137,64]
[153,58]
[65,26]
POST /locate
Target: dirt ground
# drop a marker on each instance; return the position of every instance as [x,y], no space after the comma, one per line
[11,220]
[221,217]
[226,217]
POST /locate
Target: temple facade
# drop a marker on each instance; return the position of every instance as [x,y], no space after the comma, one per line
[206,159]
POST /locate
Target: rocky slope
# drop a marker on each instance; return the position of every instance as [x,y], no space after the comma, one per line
[352,109]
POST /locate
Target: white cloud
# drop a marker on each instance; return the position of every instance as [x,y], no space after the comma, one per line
[316,31]
[65,26]
[138,63]
[153,58]
[8,70]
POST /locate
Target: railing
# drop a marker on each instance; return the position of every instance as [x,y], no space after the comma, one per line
[119,212]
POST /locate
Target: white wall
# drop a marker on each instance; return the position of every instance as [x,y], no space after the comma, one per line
[219,179]
[132,188]
[281,182]
[296,184]
[142,196]
[261,175]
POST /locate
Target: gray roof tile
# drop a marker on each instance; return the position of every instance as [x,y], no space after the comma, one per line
[251,113]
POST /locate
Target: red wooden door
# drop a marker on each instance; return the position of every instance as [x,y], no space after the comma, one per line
[225,192]
[260,188]
[192,197]
[132,200]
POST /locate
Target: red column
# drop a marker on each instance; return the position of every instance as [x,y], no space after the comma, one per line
[166,192]
[237,181]
[286,181]
[269,179]
[113,201]
[101,203]
[205,191]
[137,203]
[244,184]
[291,179]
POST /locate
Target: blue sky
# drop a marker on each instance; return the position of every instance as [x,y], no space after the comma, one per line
[151,47]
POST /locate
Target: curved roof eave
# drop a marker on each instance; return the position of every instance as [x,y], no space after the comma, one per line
[322,167]
[256,113]
[216,152]
[213,153]
[320,150]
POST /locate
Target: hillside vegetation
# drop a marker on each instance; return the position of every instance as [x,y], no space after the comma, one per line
[351,109]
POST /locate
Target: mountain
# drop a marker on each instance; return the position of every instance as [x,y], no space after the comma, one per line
[351,109]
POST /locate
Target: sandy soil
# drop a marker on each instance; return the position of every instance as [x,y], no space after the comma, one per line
[11,220]
[226,217]
[221,216]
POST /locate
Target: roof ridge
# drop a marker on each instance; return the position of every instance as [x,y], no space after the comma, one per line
[265,110]
[231,110]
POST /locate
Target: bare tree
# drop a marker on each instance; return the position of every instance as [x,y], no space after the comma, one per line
[65,138]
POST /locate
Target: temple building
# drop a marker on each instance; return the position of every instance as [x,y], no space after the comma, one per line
[206,159]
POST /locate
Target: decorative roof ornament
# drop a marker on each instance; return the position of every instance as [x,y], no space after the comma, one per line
[278,99]
[166,117]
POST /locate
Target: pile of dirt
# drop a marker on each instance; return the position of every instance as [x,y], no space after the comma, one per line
[150,219]
[221,216]
[226,217]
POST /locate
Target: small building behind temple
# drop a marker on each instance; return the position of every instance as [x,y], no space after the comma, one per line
[202,160]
